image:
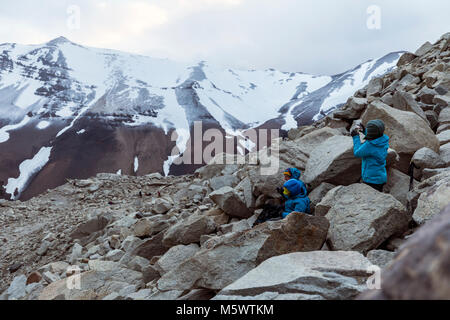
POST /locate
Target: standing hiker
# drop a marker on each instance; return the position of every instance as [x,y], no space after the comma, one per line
[373,153]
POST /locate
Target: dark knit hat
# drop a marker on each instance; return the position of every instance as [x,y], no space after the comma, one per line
[374,129]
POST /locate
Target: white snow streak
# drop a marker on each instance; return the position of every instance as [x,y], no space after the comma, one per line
[27,169]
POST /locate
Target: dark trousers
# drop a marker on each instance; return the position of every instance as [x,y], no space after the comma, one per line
[378,187]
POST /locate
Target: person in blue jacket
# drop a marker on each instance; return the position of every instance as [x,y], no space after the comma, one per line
[373,153]
[295,192]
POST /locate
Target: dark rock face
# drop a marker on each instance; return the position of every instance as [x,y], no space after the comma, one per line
[421,269]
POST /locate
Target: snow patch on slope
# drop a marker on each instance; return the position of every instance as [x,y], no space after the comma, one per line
[4,135]
[27,169]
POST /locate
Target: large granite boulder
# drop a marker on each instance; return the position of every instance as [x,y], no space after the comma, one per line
[319,275]
[333,161]
[361,218]
[229,201]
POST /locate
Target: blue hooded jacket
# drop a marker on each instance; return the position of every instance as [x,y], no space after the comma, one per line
[298,200]
[295,173]
[373,154]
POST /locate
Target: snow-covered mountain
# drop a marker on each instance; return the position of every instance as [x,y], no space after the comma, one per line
[69,111]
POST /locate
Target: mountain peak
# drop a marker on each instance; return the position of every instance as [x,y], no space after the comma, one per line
[59,40]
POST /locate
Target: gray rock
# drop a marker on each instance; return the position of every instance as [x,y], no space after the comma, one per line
[131,243]
[223,181]
[162,205]
[142,228]
[375,87]
[229,201]
[17,288]
[398,185]
[138,264]
[433,201]
[361,218]
[405,101]
[427,158]
[406,58]
[424,49]
[76,253]
[50,277]
[333,161]
[114,255]
[143,294]
[380,258]
[323,275]
[94,284]
[442,101]
[444,137]
[420,270]
[318,193]
[426,95]
[175,256]
[189,230]
[444,153]
[444,116]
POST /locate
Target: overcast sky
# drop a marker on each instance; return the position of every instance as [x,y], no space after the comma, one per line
[313,36]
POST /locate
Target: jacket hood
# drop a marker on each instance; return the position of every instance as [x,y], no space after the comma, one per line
[380,142]
[296,188]
[295,173]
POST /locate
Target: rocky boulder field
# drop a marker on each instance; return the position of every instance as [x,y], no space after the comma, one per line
[192,237]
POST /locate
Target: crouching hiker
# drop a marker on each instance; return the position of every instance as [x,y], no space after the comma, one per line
[296,197]
[373,153]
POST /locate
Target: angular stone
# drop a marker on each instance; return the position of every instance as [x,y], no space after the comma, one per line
[189,230]
[433,201]
[426,95]
[444,116]
[93,285]
[444,152]
[442,101]
[17,288]
[406,58]
[424,49]
[405,101]
[151,247]
[375,87]
[142,228]
[320,275]
[444,137]
[380,258]
[223,181]
[333,161]
[228,200]
[87,228]
[427,158]
[398,185]
[162,206]
[361,218]
[318,193]
[420,270]
[114,255]
[175,256]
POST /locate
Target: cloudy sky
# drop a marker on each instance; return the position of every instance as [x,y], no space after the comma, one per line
[313,36]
